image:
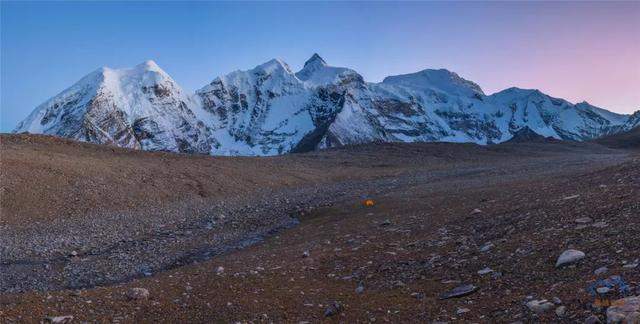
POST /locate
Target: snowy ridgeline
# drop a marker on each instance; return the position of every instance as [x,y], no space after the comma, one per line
[272,110]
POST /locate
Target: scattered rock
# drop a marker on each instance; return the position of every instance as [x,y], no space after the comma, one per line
[583,220]
[60,319]
[626,310]
[305,254]
[461,311]
[485,271]
[601,270]
[557,300]
[333,309]
[561,311]
[570,197]
[600,225]
[540,306]
[385,222]
[476,211]
[417,295]
[219,270]
[592,320]
[569,257]
[73,253]
[399,284]
[360,289]
[138,293]
[486,247]
[459,291]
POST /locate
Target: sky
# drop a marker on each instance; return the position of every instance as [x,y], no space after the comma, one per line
[573,50]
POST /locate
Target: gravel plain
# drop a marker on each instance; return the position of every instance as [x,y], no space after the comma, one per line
[286,239]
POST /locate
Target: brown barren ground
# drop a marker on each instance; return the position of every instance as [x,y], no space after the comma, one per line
[423,236]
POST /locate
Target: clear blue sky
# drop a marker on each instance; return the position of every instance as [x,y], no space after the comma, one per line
[578,51]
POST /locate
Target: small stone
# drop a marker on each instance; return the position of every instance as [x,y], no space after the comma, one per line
[359,289]
[592,320]
[626,310]
[459,291]
[461,311]
[219,270]
[569,257]
[556,300]
[486,247]
[600,225]
[560,311]
[485,271]
[138,293]
[603,290]
[417,295]
[570,197]
[583,220]
[60,319]
[74,253]
[333,309]
[385,222]
[305,254]
[476,211]
[601,270]
[630,266]
[540,306]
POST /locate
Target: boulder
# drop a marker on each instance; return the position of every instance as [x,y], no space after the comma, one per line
[60,319]
[625,310]
[138,293]
[459,291]
[540,306]
[569,257]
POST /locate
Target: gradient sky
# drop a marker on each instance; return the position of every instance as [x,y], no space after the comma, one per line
[577,51]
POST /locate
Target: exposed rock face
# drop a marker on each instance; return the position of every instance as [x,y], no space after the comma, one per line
[633,121]
[271,110]
[525,135]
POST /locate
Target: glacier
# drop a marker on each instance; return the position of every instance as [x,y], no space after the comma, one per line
[271,110]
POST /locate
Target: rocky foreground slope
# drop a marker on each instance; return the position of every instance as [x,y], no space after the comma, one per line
[271,110]
[458,233]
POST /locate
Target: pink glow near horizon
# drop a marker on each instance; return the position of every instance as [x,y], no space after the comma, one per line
[573,50]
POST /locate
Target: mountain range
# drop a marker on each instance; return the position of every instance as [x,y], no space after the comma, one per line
[271,110]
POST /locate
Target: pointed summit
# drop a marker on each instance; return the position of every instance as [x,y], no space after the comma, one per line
[149,65]
[274,65]
[315,60]
[316,72]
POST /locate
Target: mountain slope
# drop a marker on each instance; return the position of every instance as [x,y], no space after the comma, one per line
[141,108]
[625,140]
[271,109]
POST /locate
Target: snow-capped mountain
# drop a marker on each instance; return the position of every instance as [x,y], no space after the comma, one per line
[271,109]
[140,108]
[632,122]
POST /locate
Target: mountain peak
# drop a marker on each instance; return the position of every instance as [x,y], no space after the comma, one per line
[148,65]
[521,91]
[315,60]
[439,79]
[273,65]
